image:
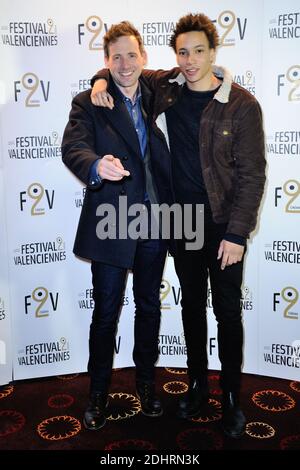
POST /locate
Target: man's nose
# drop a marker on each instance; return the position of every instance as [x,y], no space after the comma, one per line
[124,63]
[190,58]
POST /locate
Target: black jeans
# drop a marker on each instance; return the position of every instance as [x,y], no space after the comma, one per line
[109,284]
[193,268]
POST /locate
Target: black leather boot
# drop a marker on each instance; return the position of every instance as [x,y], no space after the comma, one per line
[94,417]
[233,419]
[150,404]
[196,397]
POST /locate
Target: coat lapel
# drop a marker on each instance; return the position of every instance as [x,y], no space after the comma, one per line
[120,120]
[146,101]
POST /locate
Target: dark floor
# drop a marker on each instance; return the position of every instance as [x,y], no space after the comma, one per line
[46,414]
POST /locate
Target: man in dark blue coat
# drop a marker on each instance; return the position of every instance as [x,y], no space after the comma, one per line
[123,159]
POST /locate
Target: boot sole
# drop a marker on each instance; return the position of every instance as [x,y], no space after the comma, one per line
[182,415]
[93,428]
[157,415]
[233,436]
[150,415]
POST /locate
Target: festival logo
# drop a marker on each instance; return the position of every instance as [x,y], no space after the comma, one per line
[32,89]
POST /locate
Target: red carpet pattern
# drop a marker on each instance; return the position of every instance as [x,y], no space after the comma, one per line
[46,414]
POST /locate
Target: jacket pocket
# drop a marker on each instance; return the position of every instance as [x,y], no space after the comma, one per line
[223,141]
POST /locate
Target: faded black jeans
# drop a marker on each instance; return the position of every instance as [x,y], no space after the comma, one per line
[193,269]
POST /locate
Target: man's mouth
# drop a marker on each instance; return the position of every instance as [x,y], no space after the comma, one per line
[191,71]
[126,74]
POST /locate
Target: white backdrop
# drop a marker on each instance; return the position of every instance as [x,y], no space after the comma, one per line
[50,50]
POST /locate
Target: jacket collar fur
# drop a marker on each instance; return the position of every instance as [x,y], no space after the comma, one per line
[223,93]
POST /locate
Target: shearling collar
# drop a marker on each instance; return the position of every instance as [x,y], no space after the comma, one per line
[223,93]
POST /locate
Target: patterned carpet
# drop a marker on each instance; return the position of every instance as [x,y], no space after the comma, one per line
[46,414]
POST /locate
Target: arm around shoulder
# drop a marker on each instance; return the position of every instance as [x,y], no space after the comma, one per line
[154,78]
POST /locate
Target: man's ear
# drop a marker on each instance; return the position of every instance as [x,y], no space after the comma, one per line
[106,61]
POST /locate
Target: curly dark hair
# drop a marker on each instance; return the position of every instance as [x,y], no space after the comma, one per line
[125,28]
[196,22]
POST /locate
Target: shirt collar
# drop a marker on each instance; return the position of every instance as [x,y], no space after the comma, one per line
[137,96]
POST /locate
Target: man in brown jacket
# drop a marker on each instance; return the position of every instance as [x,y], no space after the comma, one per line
[216,139]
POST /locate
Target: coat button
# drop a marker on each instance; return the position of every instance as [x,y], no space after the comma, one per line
[125,158]
[122,192]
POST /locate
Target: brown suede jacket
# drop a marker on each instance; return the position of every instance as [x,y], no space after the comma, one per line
[231,142]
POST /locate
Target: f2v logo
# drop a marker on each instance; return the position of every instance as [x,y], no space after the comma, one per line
[290,296]
[37,89]
[227,21]
[40,295]
[94,25]
[36,192]
[293,76]
[292,189]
